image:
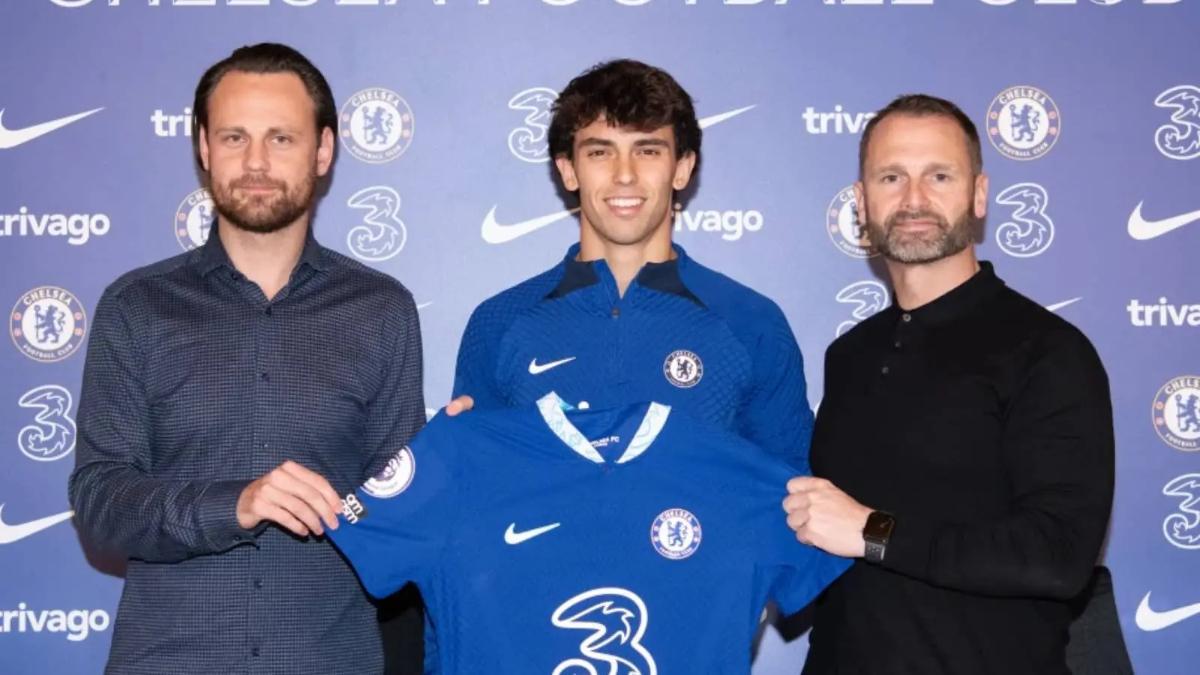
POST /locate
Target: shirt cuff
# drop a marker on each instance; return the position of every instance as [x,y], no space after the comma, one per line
[217,515]
[908,548]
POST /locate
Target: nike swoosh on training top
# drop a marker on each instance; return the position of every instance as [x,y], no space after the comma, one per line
[1142,229]
[1059,305]
[709,121]
[496,233]
[12,533]
[512,537]
[1150,620]
[11,138]
[536,369]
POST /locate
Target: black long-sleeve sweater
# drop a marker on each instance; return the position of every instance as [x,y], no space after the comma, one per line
[983,423]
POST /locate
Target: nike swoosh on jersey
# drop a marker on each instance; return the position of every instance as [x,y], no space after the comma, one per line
[497,233]
[537,369]
[1059,305]
[1150,620]
[711,120]
[512,537]
[14,533]
[11,138]
[1142,229]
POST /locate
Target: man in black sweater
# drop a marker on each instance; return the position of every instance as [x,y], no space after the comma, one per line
[964,446]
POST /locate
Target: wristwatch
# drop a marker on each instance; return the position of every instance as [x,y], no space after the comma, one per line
[876,534]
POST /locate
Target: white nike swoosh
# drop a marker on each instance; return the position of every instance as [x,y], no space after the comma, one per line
[1059,305]
[512,537]
[495,233]
[423,305]
[1142,229]
[535,369]
[711,120]
[11,138]
[12,533]
[1150,620]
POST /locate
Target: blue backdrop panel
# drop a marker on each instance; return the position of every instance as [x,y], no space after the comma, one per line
[1091,109]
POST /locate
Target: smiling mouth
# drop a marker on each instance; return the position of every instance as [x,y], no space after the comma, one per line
[625,202]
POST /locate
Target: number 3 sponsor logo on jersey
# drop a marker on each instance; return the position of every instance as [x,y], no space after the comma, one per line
[617,621]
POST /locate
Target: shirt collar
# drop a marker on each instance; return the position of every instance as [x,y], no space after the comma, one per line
[663,277]
[961,300]
[212,255]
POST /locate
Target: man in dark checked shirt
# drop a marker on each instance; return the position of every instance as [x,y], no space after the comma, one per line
[964,445]
[231,393]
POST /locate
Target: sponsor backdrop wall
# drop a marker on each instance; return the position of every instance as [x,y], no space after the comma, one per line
[1090,108]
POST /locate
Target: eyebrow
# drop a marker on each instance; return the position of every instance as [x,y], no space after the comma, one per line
[640,143]
[242,130]
[897,168]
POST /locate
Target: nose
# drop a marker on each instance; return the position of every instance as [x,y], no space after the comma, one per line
[256,158]
[626,173]
[915,198]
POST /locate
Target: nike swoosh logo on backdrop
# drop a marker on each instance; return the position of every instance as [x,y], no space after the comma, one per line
[14,533]
[1142,229]
[497,233]
[711,120]
[1150,620]
[512,537]
[1059,305]
[11,138]
[536,369]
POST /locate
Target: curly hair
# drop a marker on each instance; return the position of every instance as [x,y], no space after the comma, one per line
[628,94]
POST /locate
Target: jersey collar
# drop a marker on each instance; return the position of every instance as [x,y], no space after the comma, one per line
[551,408]
[663,277]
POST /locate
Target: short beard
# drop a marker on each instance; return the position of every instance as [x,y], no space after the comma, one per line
[263,214]
[914,250]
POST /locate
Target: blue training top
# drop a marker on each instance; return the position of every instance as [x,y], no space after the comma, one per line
[682,334]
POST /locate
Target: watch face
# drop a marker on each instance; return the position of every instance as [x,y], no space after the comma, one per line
[879,526]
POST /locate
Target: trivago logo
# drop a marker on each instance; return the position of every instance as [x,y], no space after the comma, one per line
[77,624]
[731,225]
[78,228]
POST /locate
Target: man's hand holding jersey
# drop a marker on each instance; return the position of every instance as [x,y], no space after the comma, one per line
[824,516]
[291,496]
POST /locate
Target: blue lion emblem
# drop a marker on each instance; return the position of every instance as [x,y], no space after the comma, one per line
[52,434]
[382,234]
[616,620]
[1024,122]
[1181,139]
[377,124]
[1187,412]
[50,322]
[1029,230]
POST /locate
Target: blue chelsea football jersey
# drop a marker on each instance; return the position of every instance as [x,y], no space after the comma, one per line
[628,540]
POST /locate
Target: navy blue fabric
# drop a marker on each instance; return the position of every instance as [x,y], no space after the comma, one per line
[195,384]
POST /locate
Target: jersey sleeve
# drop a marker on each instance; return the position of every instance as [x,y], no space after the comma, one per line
[777,417]
[797,572]
[475,367]
[394,528]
